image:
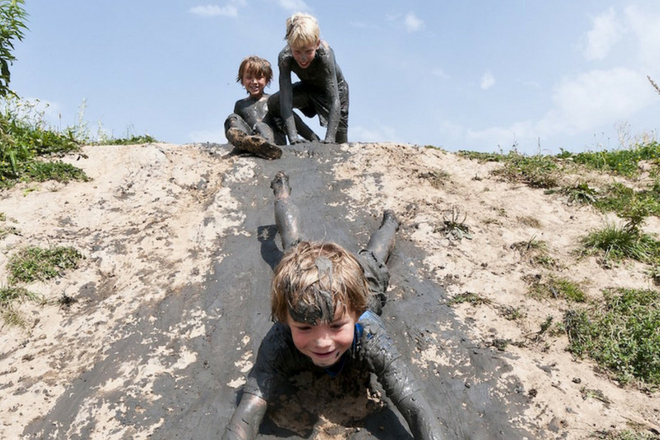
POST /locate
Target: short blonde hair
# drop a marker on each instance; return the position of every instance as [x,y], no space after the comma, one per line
[314,280]
[256,66]
[301,30]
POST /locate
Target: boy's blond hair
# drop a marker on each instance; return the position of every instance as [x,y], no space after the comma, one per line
[314,280]
[302,30]
[256,66]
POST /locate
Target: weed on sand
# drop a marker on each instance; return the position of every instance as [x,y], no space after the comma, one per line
[9,296]
[37,264]
[617,243]
[620,333]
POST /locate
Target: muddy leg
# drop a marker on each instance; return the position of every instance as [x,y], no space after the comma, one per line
[256,145]
[382,241]
[286,212]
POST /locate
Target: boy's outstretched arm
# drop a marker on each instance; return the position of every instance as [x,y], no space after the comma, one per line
[401,387]
[286,100]
[398,381]
[332,93]
[244,423]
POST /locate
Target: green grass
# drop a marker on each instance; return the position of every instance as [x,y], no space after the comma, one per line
[37,264]
[619,243]
[557,287]
[130,140]
[28,145]
[25,139]
[580,193]
[621,334]
[538,171]
[453,226]
[468,297]
[543,171]
[436,178]
[619,198]
[626,434]
[624,162]
[9,296]
[511,313]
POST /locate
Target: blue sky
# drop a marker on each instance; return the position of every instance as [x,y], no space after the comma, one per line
[477,75]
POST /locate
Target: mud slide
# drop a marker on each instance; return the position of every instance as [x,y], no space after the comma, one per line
[205,336]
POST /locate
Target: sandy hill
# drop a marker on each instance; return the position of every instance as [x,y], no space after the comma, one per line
[172,296]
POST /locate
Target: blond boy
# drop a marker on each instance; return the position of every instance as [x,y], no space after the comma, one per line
[322,89]
[251,128]
[325,302]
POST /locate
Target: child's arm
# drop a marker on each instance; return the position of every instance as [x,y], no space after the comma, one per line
[244,423]
[400,386]
[332,93]
[396,378]
[286,96]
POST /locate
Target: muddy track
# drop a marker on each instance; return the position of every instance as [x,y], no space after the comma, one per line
[472,390]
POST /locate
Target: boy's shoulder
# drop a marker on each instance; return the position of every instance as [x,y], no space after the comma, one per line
[375,346]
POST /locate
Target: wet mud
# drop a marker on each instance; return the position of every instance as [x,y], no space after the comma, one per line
[225,319]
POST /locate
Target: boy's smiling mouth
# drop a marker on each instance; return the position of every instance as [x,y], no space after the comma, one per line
[326,355]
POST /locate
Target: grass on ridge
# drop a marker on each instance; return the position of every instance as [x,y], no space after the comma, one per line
[621,334]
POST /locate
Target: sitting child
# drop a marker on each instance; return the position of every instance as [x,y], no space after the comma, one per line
[250,127]
[322,88]
[326,303]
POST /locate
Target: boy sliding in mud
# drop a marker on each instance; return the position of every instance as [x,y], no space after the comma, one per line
[250,127]
[322,88]
[326,303]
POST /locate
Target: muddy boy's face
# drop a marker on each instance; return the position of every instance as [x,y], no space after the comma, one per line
[324,343]
[304,54]
[254,84]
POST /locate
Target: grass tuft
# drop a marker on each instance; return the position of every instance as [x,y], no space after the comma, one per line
[621,334]
[468,297]
[555,288]
[37,264]
[8,297]
[618,243]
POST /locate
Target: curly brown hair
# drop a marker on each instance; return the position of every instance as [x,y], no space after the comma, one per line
[256,66]
[317,279]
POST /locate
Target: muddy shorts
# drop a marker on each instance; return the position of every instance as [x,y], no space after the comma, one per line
[312,101]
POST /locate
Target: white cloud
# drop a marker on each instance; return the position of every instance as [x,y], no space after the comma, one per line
[605,33]
[582,105]
[412,22]
[293,5]
[487,80]
[644,25]
[215,11]
[597,97]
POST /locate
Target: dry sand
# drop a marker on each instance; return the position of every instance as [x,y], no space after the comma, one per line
[151,225]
